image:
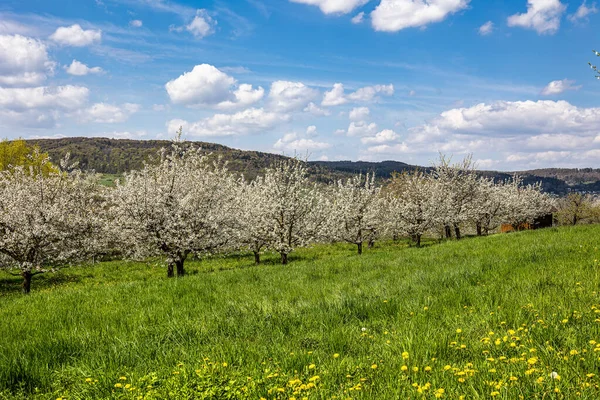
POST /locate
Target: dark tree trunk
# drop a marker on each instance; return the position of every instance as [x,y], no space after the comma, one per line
[371,243]
[180,270]
[447,231]
[395,237]
[417,239]
[479,231]
[574,219]
[170,270]
[26,281]
[284,259]
[256,257]
[359,245]
[457,232]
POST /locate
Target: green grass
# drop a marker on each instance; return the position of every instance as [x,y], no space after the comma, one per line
[233,330]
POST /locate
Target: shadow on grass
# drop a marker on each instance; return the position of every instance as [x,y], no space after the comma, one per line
[12,284]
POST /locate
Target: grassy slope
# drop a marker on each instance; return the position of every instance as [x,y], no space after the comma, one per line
[126,320]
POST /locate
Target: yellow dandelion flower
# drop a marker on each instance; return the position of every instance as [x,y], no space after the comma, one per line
[374,366]
[494,394]
[427,368]
[415,369]
[118,385]
[311,366]
[405,355]
[459,330]
[404,368]
[336,355]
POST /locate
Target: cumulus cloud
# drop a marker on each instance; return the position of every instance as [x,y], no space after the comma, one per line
[311,131]
[583,12]
[202,25]
[336,95]
[315,110]
[386,135]
[395,15]
[23,61]
[136,23]
[39,107]
[361,128]
[558,87]
[292,142]
[108,113]
[359,113]
[334,6]
[285,96]
[249,121]
[75,36]
[80,69]
[543,16]
[358,18]
[486,28]
[207,86]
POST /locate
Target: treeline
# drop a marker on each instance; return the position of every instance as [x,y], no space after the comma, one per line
[116,156]
[189,202]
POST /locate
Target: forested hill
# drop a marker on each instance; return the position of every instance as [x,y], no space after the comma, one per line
[115,156]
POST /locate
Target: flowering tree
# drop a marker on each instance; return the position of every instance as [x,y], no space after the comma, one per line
[183,204]
[255,218]
[48,217]
[415,205]
[458,182]
[524,203]
[291,207]
[575,208]
[489,205]
[354,215]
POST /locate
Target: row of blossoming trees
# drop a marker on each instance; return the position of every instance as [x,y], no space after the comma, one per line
[188,203]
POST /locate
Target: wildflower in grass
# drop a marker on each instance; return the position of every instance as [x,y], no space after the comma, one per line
[374,366]
[590,375]
[88,380]
[494,394]
[363,329]
[224,364]
[415,369]
[311,366]
[439,393]
[404,368]
[405,355]
[428,369]
[555,375]
[447,367]
[459,330]
[123,378]
[513,379]
[336,355]
[118,385]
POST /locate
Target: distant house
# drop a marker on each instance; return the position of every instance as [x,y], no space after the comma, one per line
[544,221]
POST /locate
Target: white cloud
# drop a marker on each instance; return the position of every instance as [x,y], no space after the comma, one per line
[39,107]
[79,69]
[335,96]
[75,36]
[249,121]
[285,96]
[361,128]
[558,87]
[583,12]
[62,97]
[334,6]
[316,110]
[395,15]
[124,135]
[136,23]
[12,27]
[511,119]
[202,25]
[412,93]
[486,28]
[207,86]
[358,18]
[359,113]
[368,93]
[386,135]
[23,61]
[108,113]
[311,131]
[292,142]
[160,107]
[543,16]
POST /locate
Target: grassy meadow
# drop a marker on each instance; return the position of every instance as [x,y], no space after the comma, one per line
[512,316]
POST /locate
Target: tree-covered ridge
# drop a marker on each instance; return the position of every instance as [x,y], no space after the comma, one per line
[115,156]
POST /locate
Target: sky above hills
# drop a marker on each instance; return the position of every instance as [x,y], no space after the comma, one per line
[507,81]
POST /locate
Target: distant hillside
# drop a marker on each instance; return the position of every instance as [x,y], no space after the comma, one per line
[115,156]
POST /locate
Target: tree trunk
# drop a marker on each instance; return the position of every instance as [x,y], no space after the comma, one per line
[26,281]
[256,257]
[457,232]
[574,219]
[359,244]
[284,259]
[180,270]
[170,270]
[418,240]
[447,231]
[395,237]
[371,243]
[479,231]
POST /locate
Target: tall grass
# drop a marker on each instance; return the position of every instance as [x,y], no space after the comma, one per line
[480,318]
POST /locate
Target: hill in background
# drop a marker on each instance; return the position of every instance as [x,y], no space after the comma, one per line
[115,156]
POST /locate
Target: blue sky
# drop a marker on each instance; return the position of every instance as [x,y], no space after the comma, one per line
[332,79]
